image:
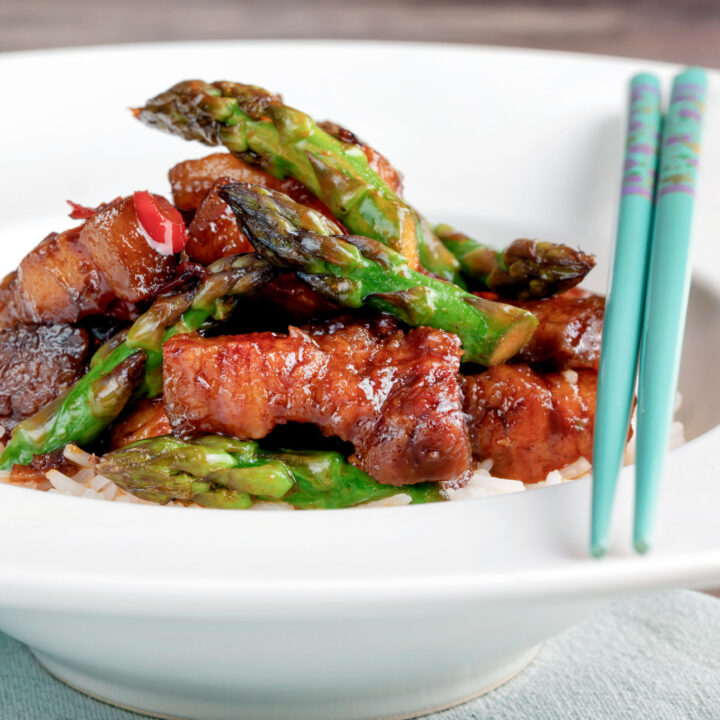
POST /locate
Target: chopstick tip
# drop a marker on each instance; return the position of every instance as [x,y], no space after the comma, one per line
[642,545]
[597,549]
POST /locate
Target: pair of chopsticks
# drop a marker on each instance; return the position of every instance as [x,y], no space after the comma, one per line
[647,300]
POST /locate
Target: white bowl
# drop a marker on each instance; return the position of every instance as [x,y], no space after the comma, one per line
[356,613]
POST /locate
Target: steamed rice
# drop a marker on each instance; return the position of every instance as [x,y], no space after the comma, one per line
[87,483]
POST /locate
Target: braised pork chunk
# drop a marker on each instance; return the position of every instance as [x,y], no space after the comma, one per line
[569,333]
[395,396]
[530,423]
[81,271]
[37,363]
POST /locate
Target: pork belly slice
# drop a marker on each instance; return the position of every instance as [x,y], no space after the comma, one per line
[394,396]
[37,363]
[569,333]
[147,419]
[528,422]
[213,232]
[113,239]
[81,271]
[56,282]
[191,180]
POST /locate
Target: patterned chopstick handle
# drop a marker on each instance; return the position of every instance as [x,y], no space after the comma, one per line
[643,137]
[625,301]
[667,292]
[681,139]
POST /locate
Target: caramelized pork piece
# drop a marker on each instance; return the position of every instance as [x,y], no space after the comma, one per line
[395,396]
[37,363]
[213,232]
[146,420]
[192,179]
[530,423]
[114,241]
[569,334]
[56,282]
[80,272]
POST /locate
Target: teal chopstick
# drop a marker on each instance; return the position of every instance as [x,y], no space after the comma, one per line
[667,293]
[625,301]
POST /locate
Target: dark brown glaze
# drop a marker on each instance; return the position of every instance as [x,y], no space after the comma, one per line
[39,465]
[378,162]
[395,396]
[569,333]
[192,179]
[530,423]
[81,271]
[37,363]
[213,232]
[146,420]
[296,300]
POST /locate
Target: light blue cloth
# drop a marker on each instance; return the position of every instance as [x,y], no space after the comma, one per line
[645,658]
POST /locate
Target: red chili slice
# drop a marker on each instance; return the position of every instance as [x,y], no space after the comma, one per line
[160,223]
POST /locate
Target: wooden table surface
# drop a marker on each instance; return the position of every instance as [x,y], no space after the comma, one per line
[685,31]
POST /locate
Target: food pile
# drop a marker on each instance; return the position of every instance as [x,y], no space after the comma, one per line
[289,330]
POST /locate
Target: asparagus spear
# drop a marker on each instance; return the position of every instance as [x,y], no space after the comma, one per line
[355,271]
[259,128]
[526,269]
[116,369]
[223,472]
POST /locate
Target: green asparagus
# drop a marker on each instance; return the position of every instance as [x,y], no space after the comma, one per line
[356,271]
[526,269]
[130,363]
[256,126]
[223,472]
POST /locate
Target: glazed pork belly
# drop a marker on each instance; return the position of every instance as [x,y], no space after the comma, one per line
[146,420]
[213,232]
[569,333]
[37,363]
[395,396]
[191,180]
[81,271]
[529,423]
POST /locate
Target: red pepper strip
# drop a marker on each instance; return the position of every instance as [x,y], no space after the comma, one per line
[160,222]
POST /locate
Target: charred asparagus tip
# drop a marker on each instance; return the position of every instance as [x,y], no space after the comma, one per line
[355,270]
[526,269]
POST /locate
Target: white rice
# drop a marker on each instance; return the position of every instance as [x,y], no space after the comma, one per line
[87,484]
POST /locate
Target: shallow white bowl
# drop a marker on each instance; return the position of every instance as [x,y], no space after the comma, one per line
[359,613]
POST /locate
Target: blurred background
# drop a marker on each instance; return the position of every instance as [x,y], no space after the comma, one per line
[685,31]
